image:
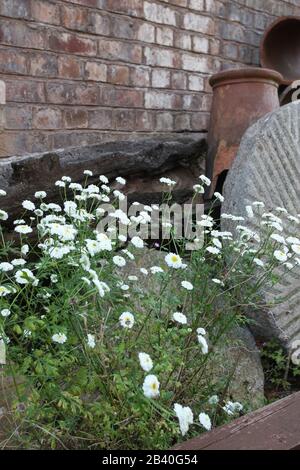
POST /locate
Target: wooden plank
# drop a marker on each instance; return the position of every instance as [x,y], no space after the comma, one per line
[274,427]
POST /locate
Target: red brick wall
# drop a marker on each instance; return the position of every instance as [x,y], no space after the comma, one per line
[84,71]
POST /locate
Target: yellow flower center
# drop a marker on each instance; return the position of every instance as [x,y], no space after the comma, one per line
[174,258]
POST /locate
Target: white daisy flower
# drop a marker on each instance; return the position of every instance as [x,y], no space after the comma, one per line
[2,192]
[145,361]
[156,270]
[103,179]
[4,291]
[201,331]
[91,341]
[205,180]
[121,180]
[59,338]
[293,241]
[88,173]
[23,229]
[185,417]
[213,250]
[187,285]
[296,249]
[5,312]
[3,215]
[232,408]
[67,179]
[280,255]
[173,261]
[278,238]
[203,344]
[167,181]
[126,320]
[119,261]
[219,196]
[119,195]
[151,386]
[205,421]
[198,189]
[5,267]
[250,212]
[28,205]
[18,262]
[144,271]
[258,262]
[180,318]
[137,242]
[25,276]
[40,195]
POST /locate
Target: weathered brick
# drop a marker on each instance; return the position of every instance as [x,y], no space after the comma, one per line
[47,118]
[21,34]
[140,77]
[27,91]
[72,43]
[99,24]
[195,63]
[15,8]
[144,120]
[202,24]
[74,18]
[89,3]
[164,122]
[70,67]
[179,80]
[2,92]
[162,100]
[124,119]
[118,74]
[66,93]
[45,12]
[129,7]
[100,119]
[233,32]
[215,46]
[146,33]
[162,57]
[183,40]
[161,78]
[230,51]
[182,122]
[193,102]
[12,61]
[18,117]
[43,65]
[199,121]
[123,98]
[200,44]
[115,50]
[197,5]
[164,36]
[75,118]
[123,28]
[196,83]
[96,71]
[159,14]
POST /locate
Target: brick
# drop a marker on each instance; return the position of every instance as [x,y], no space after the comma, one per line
[164,122]
[100,119]
[115,50]
[75,118]
[182,122]
[146,33]
[43,65]
[2,92]
[129,7]
[140,77]
[96,71]
[193,102]
[17,117]
[122,98]
[199,121]
[183,41]
[160,100]
[144,121]
[47,118]
[12,62]
[123,28]
[195,63]
[124,120]
[45,12]
[99,24]
[179,80]
[88,3]
[202,24]
[164,36]
[21,34]
[27,91]
[215,46]
[245,54]
[118,74]
[66,93]
[197,5]
[15,8]
[74,18]
[233,32]
[159,14]
[72,43]
[230,51]
[180,3]
[196,83]
[161,78]
[69,67]
[162,57]
[200,44]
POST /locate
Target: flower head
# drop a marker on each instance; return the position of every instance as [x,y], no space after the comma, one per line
[185,417]
[145,361]
[151,386]
[187,285]
[180,318]
[205,421]
[59,338]
[173,261]
[126,320]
